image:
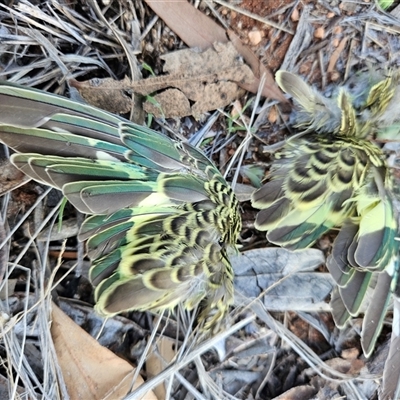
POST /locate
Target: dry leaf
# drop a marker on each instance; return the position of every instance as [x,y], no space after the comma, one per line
[157,362]
[190,24]
[350,367]
[336,54]
[285,276]
[198,30]
[90,371]
[169,102]
[234,380]
[107,94]
[243,192]
[209,79]
[304,392]
[69,229]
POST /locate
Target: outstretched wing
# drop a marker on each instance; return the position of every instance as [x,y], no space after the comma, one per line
[332,176]
[163,216]
[310,189]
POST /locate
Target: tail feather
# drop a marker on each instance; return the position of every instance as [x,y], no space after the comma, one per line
[375,313]
[340,313]
[337,262]
[353,292]
[391,373]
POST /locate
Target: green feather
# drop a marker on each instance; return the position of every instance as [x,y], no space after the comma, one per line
[332,175]
[163,217]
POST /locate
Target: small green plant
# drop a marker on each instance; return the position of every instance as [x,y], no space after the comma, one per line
[148,68]
[233,124]
[156,104]
[385,4]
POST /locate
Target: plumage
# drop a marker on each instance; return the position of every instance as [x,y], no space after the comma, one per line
[162,220]
[391,382]
[333,176]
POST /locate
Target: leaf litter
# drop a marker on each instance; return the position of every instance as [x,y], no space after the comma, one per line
[277,355]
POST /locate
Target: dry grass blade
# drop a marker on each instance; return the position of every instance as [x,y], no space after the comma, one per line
[32,321]
[307,354]
[47,44]
[254,16]
[186,359]
[191,25]
[54,23]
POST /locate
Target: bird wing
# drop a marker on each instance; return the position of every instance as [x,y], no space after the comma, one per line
[163,217]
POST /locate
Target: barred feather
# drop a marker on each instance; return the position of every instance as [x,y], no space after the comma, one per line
[163,220]
[334,176]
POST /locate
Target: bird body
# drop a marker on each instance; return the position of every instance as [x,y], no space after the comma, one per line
[162,219]
[333,176]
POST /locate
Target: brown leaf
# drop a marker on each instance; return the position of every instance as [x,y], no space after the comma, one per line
[107,94]
[350,367]
[217,95]
[156,362]
[209,78]
[190,70]
[198,30]
[190,24]
[90,371]
[170,102]
[304,392]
